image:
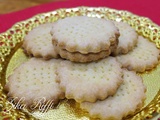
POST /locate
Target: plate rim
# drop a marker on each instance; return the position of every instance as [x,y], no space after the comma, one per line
[146,112]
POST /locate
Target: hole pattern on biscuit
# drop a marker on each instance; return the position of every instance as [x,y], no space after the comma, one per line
[32,76]
[90,76]
[74,33]
[125,95]
[143,55]
[38,42]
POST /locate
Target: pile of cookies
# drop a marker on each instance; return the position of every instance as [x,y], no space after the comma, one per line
[91,60]
[77,39]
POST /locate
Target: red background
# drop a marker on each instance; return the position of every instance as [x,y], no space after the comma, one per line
[146,8]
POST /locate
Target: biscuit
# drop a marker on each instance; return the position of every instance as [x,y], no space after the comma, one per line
[126,101]
[90,81]
[127,39]
[38,42]
[78,57]
[84,34]
[35,80]
[143,57]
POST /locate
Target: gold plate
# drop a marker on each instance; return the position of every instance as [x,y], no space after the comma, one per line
[11,56]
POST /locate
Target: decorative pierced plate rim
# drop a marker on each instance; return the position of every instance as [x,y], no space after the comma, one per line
[6,47]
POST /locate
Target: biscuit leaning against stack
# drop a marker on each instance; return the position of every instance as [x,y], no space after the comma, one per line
[38,42]
[127,40]
[89,75]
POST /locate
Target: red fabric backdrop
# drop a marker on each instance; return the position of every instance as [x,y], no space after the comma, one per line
[146,8]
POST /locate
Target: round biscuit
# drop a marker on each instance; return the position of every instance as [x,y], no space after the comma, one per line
[129,97]
[143,57]
[127,39]
[38,42]
[90,81]
[84,34]
[78,57]
[34,81]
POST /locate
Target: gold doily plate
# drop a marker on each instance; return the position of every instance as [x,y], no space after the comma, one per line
[11,56]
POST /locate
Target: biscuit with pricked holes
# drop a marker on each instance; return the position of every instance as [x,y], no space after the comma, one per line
[144,56]
[129,98]
[127,39]
[38,42]
[33,81]
[84,34]
[89,81]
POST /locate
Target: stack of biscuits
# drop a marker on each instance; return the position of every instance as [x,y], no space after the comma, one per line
[84,39]
[91,60]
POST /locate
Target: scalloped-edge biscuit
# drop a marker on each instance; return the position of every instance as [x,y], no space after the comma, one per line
[90,81]
[78,57]
[38,42]
[127,39]
[144,56]
[129,98]
[84,34]
[33,81]
[83,58]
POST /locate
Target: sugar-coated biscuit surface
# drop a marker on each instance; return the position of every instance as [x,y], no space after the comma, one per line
[143,57]
[89,82]
[34,80]
[38,42]
[127,39]
[84,34]
[127,100]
